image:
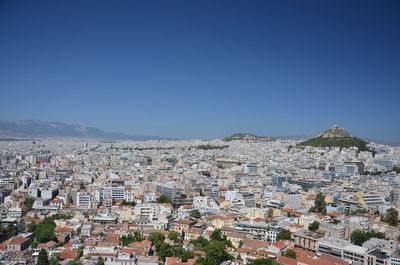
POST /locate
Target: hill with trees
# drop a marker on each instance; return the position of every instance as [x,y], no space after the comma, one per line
[248,137]
[336,137]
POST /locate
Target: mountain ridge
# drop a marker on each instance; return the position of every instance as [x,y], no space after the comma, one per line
[247,136]
[43,129]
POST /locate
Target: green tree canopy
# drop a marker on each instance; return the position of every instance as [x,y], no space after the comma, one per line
[74,262]
[215,254]
[391,217]
[156,238]
[217,235]
[290,254]
[100,261]
[163,199]
[54,261]
[358,237]
[125,202]
[43,258]
[28,202]
[44,231]
[195,214]
[173,236]
[319,204]
[270,212]
[284,234]
[314,226]
[127,239]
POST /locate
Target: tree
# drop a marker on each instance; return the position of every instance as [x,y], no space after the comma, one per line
[290,254]
[215,249]
[200,243]
[183,254]
[173,236]
[358,237]
[319,204]
[156,238]
[44,232]
[74,262]
[28,202]
[12,230]
[314,226]
[391,217]
[125,202]
[241,243]
[216,235]
[137,236]
[216,253]
[82,186]
[100,261]
[43,258]
[335,221]
[80,250]
[126,240]
[54,261]
[163,199]
[31,227]
[270,212]
[195,214]
[284,234]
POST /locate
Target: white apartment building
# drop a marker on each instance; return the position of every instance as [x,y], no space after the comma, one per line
[84,200]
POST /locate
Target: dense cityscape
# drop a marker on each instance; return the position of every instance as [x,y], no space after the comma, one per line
[237,200]
[199,132]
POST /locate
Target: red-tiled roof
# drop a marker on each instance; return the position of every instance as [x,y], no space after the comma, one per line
[69,254]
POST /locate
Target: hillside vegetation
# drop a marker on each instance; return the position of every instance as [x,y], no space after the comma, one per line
[246,136]
[343,142]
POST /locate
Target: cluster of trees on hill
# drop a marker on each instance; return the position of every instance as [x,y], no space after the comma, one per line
[343,142]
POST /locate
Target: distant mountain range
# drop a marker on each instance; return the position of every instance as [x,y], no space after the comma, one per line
[247,136]
[42,129]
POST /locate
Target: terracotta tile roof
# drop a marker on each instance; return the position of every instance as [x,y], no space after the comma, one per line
[18,240]
[176,261]
[127,250]
[333,260]
[281,244]
[193,231]
[334,214]
[112,238]
[185,221]
[63,230]
[46,245]
[69,254]
[68,245]
[146,242]
[244,250]
[286,261]
[220,200]
[254,243]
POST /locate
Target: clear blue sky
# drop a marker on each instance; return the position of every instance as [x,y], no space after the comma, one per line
[203,69]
